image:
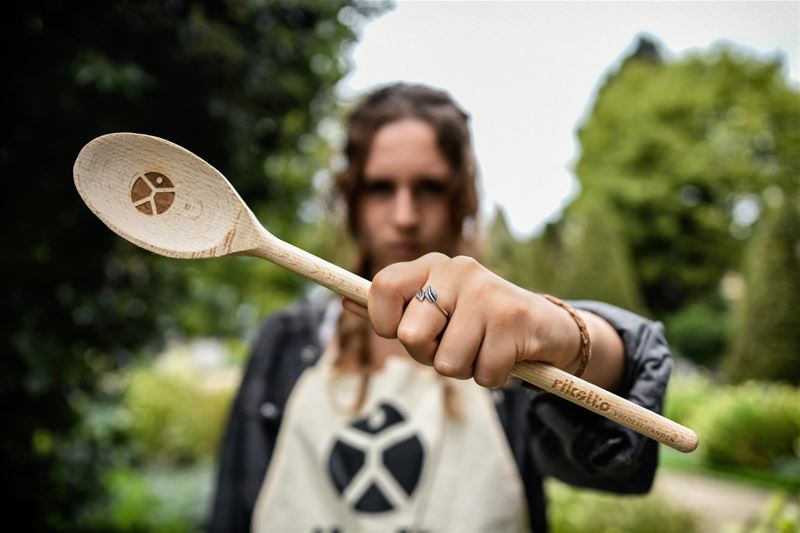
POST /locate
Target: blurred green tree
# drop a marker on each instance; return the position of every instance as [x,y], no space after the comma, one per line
[700,330]
[531,263]
[501,248]
[685,152]
[595,260]
[582,256]
[766,338]
[243,84]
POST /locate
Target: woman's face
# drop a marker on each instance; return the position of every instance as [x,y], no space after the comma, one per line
[404,210]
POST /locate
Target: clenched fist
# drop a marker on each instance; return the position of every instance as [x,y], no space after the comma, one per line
[492,323]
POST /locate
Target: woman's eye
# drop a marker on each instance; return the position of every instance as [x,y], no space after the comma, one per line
[379,188]
[431,188]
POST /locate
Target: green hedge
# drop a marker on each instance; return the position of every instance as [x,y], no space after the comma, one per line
[581,511]
[686,393]
[753,426]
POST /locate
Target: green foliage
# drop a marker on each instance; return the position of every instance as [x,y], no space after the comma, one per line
[596,263]
[687,394]
[780,515]
[766,343]
[518,261]
[581,257]
[177,410]
[579,511]
[751,420]
[242,84]
[753,425]
[157,435]
[158,500]
[699,331]
[544,258]
[502,248]
[678,147]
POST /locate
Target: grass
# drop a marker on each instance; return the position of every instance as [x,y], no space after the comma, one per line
[574,510]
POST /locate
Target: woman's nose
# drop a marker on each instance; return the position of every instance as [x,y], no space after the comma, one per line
[406,210]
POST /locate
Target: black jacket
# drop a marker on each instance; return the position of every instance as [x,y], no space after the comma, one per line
[548,436]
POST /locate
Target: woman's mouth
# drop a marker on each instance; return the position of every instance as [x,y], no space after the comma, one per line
[405,251]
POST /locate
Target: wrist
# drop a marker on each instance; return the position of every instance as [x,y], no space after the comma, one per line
[569,346]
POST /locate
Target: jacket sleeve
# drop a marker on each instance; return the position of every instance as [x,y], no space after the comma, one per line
[584,449]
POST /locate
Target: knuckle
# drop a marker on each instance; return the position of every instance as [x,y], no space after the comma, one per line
[383,327]
[493,372]
[384,282]
[432,258]
[437,256]
[485,379]
[449,369]
[411,335]
[466,262]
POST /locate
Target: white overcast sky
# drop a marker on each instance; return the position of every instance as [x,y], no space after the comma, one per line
[527,72]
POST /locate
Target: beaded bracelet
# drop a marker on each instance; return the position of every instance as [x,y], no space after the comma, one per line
[586,341]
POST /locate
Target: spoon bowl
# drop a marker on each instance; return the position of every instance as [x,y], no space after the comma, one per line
[167,200]
[162,197]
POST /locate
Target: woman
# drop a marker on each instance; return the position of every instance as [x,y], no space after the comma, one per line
[336,428]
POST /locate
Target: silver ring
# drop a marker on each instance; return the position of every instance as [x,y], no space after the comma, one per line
[429,294]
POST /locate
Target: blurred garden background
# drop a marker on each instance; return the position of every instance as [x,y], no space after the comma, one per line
[118,365]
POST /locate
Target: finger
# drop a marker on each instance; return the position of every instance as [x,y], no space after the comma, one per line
[459,347]
[354,308]
[422,350]
[494,362]
[420,328]
[392,288]
[425,318]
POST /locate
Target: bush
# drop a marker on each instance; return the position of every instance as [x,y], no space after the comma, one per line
[781,514]
[163,500]
[753,425]
[686,394]
[579,511]
[178,410]
[699,332]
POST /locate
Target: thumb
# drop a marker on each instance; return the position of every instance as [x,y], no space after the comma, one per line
[355,308]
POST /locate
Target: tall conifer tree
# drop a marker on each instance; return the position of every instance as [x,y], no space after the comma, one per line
[766,342]
[597,263]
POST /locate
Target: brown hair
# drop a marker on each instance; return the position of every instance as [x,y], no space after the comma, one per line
[451,124]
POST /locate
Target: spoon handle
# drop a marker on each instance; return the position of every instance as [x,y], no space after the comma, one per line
[544,376]
[607,404]
[335,278]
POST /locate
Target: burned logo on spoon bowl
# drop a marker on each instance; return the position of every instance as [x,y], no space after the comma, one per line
[152,193]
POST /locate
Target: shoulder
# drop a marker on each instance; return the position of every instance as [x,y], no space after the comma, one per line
[287,342]
[302,319]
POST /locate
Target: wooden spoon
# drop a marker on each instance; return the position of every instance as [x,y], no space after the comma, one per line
[166,199]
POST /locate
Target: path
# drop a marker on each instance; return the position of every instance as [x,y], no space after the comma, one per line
[721,503]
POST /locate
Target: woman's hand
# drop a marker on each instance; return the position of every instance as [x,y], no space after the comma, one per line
[493,324]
